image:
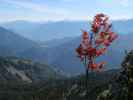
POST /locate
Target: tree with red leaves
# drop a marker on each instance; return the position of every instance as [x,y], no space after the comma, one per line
[95,43]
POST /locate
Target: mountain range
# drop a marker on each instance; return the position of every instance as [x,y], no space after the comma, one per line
[64,56]
[43,31]
[46,31]
[60,53]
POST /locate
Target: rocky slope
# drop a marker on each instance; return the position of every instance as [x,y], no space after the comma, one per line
[60,89]
[21,70]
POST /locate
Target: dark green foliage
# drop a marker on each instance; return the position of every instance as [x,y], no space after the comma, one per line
[58,89]
[128,72]
[122,87]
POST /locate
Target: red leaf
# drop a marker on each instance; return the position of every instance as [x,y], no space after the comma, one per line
[100,65]
[99,41]
[92,66]
[79,50]
[85,35]
[107,43]
[101,51]
[91,51]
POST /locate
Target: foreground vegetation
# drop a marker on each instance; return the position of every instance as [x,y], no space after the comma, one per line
[109,85]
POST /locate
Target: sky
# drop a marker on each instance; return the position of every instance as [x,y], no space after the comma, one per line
[57,10]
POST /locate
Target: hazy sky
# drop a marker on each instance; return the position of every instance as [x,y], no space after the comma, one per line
[54,10]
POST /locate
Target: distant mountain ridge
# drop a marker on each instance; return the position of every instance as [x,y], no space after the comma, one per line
[47,31]
[42,31]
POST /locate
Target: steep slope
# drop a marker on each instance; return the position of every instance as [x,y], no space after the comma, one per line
[21,70]
[11,43]
[122,86]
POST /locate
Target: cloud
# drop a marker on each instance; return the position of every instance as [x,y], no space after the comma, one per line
[62,9]
[28,10]
[71,0]
[40,8]
[125,3]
